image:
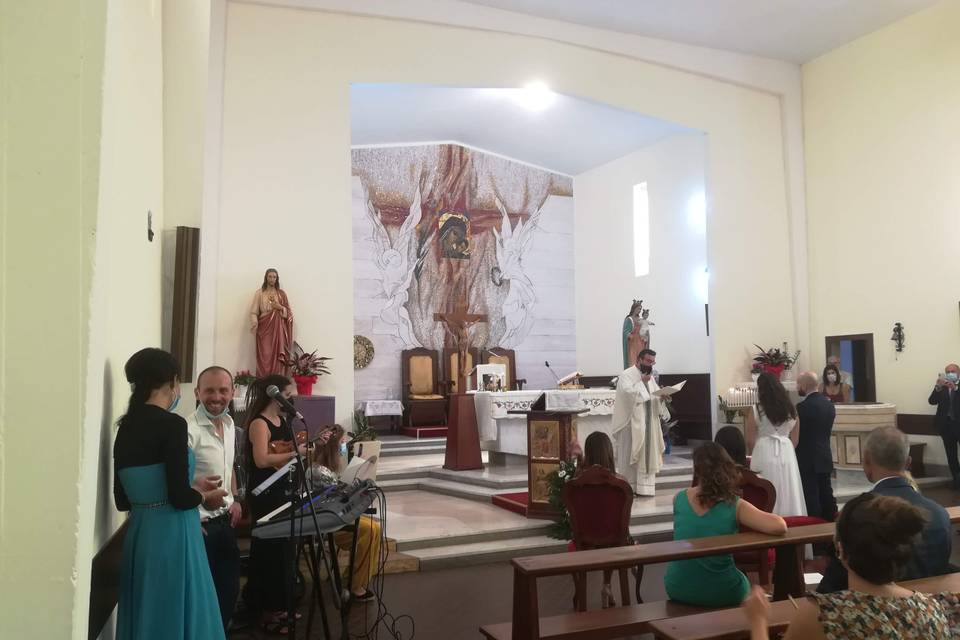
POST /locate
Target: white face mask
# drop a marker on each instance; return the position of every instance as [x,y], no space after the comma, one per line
[831,378]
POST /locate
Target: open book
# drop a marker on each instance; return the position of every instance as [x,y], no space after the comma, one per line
[570,377]
[663,392]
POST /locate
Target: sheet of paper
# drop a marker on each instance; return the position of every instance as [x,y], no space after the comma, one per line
[663,392]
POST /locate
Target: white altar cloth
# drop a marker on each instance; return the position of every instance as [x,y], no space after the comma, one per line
[507,433]
[382,408]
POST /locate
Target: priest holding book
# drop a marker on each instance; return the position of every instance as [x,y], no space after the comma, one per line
[637,411]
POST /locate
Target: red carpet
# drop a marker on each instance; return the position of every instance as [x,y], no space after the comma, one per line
[515,502]
[424,432]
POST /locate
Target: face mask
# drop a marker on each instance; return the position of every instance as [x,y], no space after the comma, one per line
[952,377]
[646,369]
[831,378]
[343,449]
[214,416]
[173,405]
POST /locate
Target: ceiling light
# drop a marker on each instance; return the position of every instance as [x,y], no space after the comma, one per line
[536,96]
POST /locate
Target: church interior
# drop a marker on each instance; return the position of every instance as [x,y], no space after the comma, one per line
[501,233]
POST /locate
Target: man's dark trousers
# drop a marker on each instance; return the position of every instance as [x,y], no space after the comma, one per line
[224,558]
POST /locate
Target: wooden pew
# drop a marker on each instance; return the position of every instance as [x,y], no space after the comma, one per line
[526,623]
[731,624]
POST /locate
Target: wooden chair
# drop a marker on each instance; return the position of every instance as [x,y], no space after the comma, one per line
[763,495]
[599,503]
[508,357]
[451,360]
[423,400]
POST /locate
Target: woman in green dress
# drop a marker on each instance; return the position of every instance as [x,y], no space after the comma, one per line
[166,590]
[712,508]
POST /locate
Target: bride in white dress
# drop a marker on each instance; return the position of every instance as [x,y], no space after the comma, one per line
[772,432]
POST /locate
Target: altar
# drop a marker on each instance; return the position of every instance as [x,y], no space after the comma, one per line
[501,432]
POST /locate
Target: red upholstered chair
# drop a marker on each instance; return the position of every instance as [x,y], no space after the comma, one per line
[599,503]
[763,495]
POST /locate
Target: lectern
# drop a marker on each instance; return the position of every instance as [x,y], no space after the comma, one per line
[550,436]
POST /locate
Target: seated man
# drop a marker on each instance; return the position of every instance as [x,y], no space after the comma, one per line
[886,456]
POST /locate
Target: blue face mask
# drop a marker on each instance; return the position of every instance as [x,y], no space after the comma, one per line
[952,377]
[173,405]
[214,416]
[343,449]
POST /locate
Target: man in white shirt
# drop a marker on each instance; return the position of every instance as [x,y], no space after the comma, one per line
[211,436]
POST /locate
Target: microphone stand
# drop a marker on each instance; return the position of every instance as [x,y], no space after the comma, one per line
[294,508]
[546,363]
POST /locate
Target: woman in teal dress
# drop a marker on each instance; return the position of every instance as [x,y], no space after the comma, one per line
[712,508]
[166,591]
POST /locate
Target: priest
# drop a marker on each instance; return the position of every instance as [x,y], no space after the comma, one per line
[638,439]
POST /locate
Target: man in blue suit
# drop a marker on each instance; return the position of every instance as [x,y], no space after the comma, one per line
[886,455]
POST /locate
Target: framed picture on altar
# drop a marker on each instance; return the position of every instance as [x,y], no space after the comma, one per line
[545,439]
[540,485]
[851,449]
[491,377]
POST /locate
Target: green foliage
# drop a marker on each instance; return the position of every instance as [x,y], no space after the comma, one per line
[361,427]
[304,364]
[561,529]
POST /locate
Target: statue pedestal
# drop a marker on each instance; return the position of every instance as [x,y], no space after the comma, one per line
[463,438]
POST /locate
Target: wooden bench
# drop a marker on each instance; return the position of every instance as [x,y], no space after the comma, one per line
[620,621]
[731,624]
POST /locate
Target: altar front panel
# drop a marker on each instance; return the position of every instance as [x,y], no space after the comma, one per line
[507,433]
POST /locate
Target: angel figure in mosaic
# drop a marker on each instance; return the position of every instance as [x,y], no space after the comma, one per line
[397,260]
[512,241]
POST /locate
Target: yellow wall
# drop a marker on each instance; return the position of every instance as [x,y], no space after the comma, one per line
[882,122]
[285,173]
[80,289]
[50,119]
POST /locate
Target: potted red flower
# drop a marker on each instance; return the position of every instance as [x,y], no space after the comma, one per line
[774,361]
[305,368]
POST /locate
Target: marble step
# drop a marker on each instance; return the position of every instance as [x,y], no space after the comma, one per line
[485,493]
[403,442]
[483,552]
[421,448]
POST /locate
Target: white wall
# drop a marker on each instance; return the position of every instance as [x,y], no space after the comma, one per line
[283,165]
[883,160]
[675,289]
[775,77]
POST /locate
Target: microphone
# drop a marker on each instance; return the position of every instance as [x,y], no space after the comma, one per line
[555,376]
[274,392]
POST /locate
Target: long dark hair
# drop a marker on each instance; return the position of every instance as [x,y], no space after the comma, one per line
[257,401]
[599,450]
[717,475]
[328,453]
[731,439]
[773,399]
[147,370]
[264,286]
[836,370]
[877,534]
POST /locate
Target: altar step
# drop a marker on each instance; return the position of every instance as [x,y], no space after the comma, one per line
[419,433]
[404,446]
[527,537]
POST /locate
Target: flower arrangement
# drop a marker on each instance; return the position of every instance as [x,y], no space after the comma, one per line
[561,529]
[304,365]
[728,413]
[244,378]
[362,431]
[756,369]
[774,360]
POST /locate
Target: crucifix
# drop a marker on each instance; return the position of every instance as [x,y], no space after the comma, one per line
[457,324]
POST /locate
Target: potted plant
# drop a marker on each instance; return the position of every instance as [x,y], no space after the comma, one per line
[304,367]
[362,431]
[774,360]
[241,381]
[561,528]
[729,413]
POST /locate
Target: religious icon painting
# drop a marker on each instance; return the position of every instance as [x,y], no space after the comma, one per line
[545,439]
[539,480]
[833,450]
[454,236]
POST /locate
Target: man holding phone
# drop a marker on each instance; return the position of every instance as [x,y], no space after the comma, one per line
[947,421]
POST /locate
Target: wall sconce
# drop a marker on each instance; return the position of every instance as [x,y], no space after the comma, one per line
[898,337]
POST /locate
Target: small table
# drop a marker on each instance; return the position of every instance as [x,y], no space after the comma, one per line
[391,408]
